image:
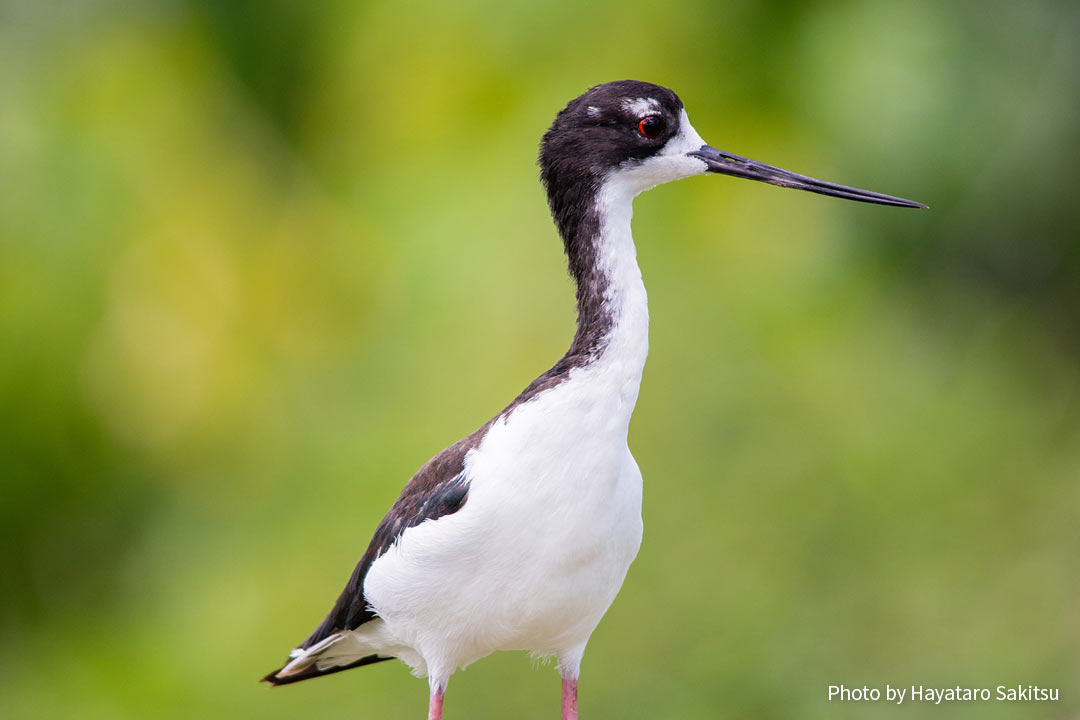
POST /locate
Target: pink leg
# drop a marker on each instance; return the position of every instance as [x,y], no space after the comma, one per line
[569,699]
[435,704]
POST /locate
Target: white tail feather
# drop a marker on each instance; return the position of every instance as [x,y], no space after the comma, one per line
[338,649]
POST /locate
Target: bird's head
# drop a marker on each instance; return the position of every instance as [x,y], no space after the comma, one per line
[636,135]
[634,129]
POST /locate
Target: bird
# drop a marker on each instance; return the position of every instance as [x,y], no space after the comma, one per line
[519,535]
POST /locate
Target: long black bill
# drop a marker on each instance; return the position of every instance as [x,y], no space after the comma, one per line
[728,164]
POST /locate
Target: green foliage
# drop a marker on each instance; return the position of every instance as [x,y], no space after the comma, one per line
[258,261]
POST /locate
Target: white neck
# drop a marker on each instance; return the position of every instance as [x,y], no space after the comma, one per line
[618,366]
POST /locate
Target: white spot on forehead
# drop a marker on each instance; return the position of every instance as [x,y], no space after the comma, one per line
[640,107]
[593,111]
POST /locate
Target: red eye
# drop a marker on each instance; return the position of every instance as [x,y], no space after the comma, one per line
[651,126]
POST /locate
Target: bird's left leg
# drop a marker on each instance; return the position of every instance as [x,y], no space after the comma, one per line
[569,668]
[569,698]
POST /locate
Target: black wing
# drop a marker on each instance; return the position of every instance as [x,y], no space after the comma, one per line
[438,488]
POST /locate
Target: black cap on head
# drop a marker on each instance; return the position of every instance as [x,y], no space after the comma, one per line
[597,132]
[601,129]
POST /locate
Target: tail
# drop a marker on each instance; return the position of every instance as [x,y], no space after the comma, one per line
[340,651]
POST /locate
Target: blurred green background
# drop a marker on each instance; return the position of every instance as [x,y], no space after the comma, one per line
[260,260]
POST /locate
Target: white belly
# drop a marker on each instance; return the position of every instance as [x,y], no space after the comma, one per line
[539,550]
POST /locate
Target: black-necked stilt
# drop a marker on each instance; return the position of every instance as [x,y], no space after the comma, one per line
[518,537]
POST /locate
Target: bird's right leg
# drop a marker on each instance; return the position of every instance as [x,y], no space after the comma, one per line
[435,703]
